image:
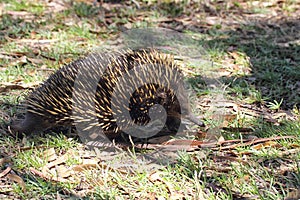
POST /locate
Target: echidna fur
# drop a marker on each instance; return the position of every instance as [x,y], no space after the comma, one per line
[82,92]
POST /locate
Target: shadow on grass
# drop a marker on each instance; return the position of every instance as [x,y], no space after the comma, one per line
[274,56]
[271,42]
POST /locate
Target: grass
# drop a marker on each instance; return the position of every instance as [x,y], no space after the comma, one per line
[29,6]
[244,77]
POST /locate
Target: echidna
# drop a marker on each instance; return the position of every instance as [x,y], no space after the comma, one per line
[110,94]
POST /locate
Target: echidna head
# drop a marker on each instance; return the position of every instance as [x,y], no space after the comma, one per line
[31,124]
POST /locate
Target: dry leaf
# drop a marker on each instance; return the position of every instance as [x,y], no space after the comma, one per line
[4,87]
[3,161]
[18,180]
[62,159]
[82,167]
[49,154]
[154,176]
[221,140]
[31,72]
[45,175]
[17,14]
[6,171]
[90,161]
[255,141]
[19,61]
[265,144]
[63,172]
[58,161]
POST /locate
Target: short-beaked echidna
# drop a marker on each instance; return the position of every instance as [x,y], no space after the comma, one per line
[100,91]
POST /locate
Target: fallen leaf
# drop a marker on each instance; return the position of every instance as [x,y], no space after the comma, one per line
[62,159]
[6,171]
[3,161]
[255,141]
[63,171]
[50,155]
[19,61]
[18,180]
[266,144]
[221,139]
[46,177]
[4,87]
[82,167]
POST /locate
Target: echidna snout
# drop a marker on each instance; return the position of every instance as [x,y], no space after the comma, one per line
[31,124]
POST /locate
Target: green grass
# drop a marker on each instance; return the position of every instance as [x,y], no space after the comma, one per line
[84,10]
[29,6]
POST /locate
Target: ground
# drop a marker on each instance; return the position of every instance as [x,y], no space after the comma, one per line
[241,62]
